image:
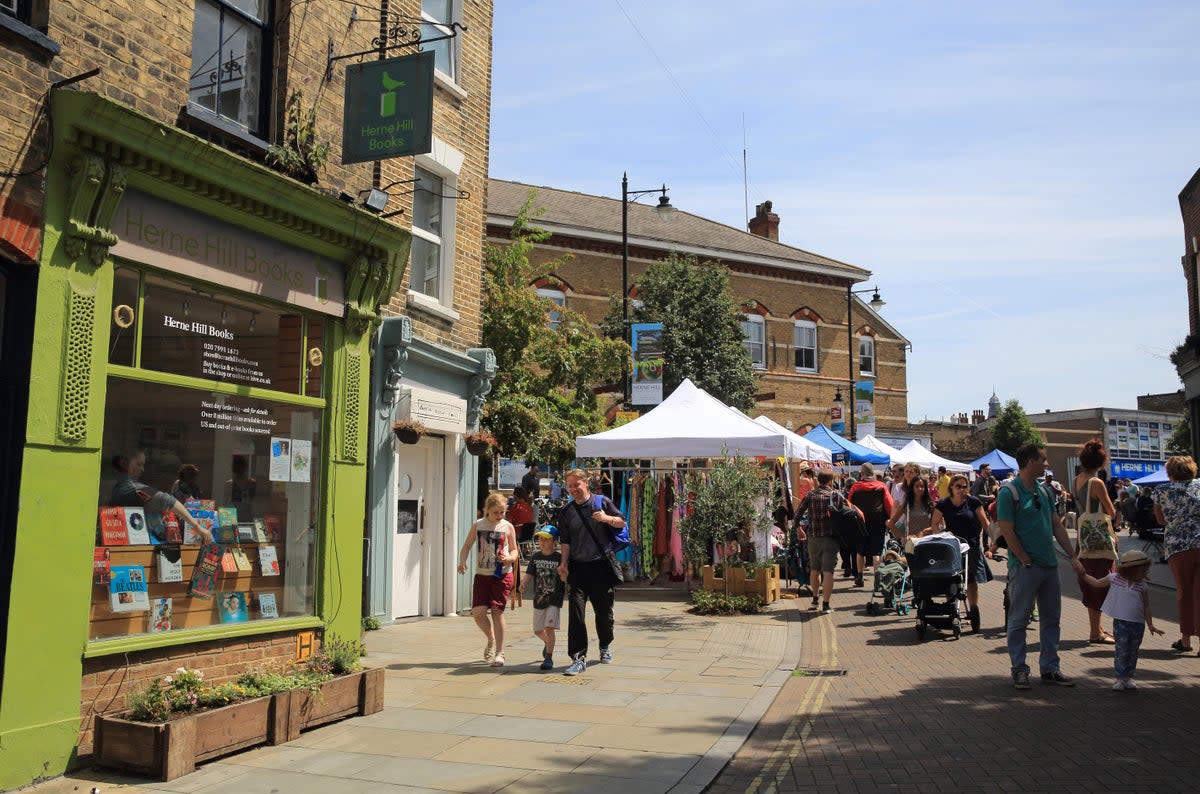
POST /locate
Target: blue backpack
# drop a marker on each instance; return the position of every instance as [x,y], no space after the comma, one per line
[621,536]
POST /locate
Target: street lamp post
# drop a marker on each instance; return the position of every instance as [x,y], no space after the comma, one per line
[664,208]
[875,303]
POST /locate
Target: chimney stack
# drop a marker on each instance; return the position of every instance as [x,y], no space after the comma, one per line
[765,223]
[977,416]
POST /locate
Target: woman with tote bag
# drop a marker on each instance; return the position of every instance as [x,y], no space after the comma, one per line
[1095,541]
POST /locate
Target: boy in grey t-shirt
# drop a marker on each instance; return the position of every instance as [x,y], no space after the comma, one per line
[548,590]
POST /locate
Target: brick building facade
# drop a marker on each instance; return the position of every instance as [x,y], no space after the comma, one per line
[126,110]
[1187,358]
[790,294]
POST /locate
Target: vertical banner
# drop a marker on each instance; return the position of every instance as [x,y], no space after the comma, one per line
[864,409]
[837,418]
[647,378]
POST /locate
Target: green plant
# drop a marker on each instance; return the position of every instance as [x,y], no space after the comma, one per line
[370,623]
[705,602]
[301,154]
[337,656]
[733,502]
[183,692]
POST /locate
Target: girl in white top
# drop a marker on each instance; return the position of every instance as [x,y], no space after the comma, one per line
[495,542]
[1128,604]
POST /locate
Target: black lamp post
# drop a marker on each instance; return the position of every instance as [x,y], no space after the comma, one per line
[664,208]
[875,303]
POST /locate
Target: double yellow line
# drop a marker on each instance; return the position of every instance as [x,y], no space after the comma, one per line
[800,727]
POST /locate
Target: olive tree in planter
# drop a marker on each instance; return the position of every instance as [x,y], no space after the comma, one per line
[732,502]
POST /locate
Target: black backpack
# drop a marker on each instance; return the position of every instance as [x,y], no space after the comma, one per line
[848,523]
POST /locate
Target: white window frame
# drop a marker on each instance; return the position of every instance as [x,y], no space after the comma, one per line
[557,297]
[806,325]
[444,162]
[866,355]
[448,80]
[755,321]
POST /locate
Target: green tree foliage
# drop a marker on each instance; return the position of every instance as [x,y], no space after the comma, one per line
[733,501]
[542,397]
[702,335]
[1013,429]
[1180,442]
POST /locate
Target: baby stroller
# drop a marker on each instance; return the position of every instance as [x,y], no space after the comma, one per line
[937,566]
[891,583]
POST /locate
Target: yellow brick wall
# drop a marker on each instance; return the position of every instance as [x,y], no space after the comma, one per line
[592,276]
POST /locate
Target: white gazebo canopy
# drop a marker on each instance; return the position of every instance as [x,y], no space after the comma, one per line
[798,447]
[870,442]
[914,452]
[690,423]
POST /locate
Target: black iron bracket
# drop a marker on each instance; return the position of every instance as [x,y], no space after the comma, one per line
[397,32]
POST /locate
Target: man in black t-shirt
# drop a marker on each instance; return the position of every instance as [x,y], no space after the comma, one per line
[532,482]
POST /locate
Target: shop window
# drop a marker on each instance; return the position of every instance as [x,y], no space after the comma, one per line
[436,15]
[16,8]
[431,276]
[230,39]
[805,344]
[123,335]
[866,355]
[754,333]
[558,298]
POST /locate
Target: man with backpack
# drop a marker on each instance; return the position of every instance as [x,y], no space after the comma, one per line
[821,505]
[874,501]
[590,529]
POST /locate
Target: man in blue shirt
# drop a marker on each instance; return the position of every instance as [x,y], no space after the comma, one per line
[1025,510]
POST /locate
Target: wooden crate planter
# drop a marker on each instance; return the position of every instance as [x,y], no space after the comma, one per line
[764,584]
[171,749]
[715,583]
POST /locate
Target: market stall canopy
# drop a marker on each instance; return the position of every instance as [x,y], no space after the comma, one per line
[690,423]
[857,453]
[798,447]
[1002,464]
[1154,478]
[870,442]
[915,452]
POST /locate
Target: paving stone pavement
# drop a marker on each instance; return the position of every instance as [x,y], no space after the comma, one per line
[941,715]
[681,697]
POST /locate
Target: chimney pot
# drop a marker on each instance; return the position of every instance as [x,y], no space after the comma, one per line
[765,223]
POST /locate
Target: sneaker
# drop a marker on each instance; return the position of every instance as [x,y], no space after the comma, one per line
[605,655]
[547,662]
[858,581]
[825,606]
[1057,679]
[1021,679]
[816,603]
[1129,684]
[578,665]
[1118,685]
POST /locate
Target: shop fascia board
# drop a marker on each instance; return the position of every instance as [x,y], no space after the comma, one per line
[220,631]
[164,160]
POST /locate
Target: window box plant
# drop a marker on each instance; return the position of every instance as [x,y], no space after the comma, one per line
[178,721]
[480,442]
[408,431]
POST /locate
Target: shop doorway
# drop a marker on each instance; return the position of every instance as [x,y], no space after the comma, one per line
[418,546]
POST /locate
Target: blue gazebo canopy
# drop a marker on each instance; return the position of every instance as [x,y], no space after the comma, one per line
[857,453]
[1001,463]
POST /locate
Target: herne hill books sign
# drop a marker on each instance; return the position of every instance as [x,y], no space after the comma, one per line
[389,108]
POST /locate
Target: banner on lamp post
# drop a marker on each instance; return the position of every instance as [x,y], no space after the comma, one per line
[837,418]
[864,409]
[646,340]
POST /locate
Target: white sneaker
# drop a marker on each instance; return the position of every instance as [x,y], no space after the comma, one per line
[1129,684]
[578,665]
[1118,685]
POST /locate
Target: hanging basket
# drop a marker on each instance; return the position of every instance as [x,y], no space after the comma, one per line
[479,442]
[407,431]
[478,447]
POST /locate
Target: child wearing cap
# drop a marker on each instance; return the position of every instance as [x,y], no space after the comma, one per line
[1128,604]
[548,590]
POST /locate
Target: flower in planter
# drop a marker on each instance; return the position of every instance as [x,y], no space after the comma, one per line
[408,431]
[480,442]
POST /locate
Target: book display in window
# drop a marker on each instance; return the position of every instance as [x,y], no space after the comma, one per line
[160,616]
[169,560]
[228,561]
[232,606]
[260,531]
[268,559]
[227,517]
[204,575]
[101,565]
[267,608]
[245,532]
[127,590]
[241,560]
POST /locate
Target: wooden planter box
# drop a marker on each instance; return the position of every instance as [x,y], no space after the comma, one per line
[171,749]
[765,583]
[716,584]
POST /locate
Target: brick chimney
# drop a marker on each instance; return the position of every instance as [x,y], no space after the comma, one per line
[765,223]
[977,416]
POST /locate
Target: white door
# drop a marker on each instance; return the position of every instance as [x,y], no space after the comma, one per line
[417,548]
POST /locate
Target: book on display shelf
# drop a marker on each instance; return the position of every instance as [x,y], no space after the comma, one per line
[243,562]
[268,559]
[172,528]
[245,532]
[101,565]
[200,504]
[135,526]
[170,563]
[206,519]
[206,571]
[267,608]
[160,615]
[157,524]
[226,536]
[260,531]
[274,528]
[112,527]
[228,562]
[127,591]
[227,516]
[232,607]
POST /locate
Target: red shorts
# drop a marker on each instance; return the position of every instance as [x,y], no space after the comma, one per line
[488,591]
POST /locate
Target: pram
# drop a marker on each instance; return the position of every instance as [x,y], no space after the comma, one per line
[891,587]
[937,566]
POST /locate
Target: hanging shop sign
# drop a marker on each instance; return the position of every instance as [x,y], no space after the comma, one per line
[178,240]
[647,344]
[864,409]
[389,108]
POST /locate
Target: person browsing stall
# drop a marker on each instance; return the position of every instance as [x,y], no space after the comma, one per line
[587,527]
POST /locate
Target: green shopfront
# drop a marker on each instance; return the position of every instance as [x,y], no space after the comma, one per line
[202,335]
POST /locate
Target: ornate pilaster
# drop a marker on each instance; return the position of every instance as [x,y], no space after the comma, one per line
[481,383]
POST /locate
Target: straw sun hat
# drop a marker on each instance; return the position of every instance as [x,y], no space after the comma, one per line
[1132,559]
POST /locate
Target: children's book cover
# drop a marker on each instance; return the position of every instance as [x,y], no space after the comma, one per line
[267,607]
[170,563]
[206,519]
[232,606]
[268,559]
[101,565]
[160,615]
[112,527]
[227,516]
[127,589]
[205,572]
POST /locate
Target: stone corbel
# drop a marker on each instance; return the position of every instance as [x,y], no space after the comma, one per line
[364,283]
[394,359]
[87,176]
[481,383]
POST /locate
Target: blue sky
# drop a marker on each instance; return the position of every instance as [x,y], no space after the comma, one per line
[1008,171]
